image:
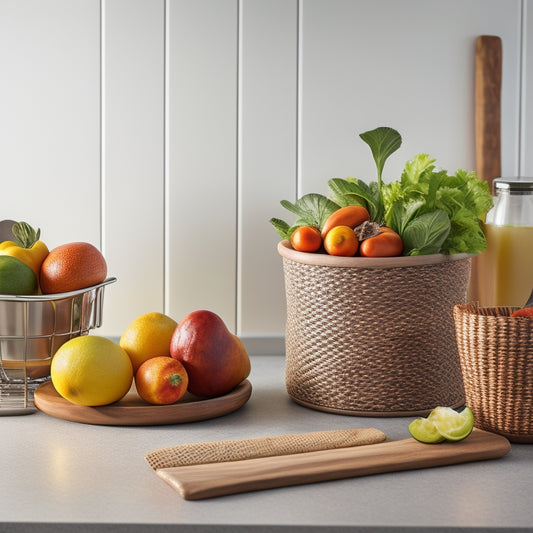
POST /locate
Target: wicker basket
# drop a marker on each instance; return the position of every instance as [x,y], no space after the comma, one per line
[496,355]
[373,337]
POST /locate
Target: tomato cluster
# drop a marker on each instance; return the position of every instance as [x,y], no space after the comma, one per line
[348,232]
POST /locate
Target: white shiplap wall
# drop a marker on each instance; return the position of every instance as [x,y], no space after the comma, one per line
[167,131]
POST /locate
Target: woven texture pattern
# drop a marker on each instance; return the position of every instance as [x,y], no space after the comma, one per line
[379,341]
[496,355]
[237,450]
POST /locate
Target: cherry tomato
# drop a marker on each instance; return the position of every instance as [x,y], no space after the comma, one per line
[306,239]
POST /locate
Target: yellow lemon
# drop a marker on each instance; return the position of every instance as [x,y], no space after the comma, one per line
[91,370]
[148,336]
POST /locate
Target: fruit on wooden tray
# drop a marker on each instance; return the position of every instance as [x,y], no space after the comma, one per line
[148,336]
[72,266]
[91,370]
[161,380]
[443,423]
[16,277]
[215,359]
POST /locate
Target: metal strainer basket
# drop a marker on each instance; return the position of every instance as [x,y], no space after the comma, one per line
[32,328]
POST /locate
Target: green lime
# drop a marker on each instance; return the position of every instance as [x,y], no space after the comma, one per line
[16,277]
[453,425]
[425,430]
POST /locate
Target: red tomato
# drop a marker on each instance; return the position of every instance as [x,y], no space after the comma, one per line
[524,311]
[306,239]
[161,380]
[387,243]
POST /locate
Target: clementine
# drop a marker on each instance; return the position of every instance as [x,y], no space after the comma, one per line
[306,239]
[341,240]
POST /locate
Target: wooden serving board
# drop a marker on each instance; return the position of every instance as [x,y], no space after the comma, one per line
[134,411]
[218,479]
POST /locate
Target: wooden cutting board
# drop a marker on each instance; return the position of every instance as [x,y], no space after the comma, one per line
[218,479]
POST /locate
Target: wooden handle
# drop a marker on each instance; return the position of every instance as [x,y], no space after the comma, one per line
[488,82]
[218,479]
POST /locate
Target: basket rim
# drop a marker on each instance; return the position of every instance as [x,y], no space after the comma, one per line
[53,296]
[321,259]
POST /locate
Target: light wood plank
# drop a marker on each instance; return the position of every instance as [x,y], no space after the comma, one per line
[219,479]
[50,117]
[408,65]
[201,158]
[527,92]
[267,157]
[133,159]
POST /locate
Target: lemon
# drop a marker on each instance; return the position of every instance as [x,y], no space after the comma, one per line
[16,277]
[443,423]
[91,370]
[148,336]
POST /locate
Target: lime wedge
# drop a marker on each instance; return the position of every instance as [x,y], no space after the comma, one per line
[425,430]
[452,425]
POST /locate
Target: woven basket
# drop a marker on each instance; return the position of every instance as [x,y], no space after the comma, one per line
[373,337]
[496,356]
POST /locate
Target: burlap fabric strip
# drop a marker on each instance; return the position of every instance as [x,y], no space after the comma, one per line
[237,450]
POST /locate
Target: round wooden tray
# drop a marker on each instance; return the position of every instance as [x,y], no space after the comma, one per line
[134,411]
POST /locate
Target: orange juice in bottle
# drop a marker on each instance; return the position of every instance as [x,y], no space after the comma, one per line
[505,269]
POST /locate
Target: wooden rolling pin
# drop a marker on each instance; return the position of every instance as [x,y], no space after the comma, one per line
[488,107]
[488,84]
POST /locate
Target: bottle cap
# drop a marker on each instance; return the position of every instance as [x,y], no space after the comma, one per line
[514,184]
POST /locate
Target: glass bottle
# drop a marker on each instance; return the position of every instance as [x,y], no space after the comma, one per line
[506,267]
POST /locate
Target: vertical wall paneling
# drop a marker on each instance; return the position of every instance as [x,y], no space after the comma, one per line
[201,157]
[50,117]
[409,65]
[133,158]
[167,131]
[267,157]
[527,91]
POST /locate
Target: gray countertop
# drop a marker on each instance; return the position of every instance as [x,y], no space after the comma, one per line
[56,473]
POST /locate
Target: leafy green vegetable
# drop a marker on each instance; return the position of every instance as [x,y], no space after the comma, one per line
[426,233]
[312,209]
[431,210]
[422,190]
[383,142]
[352,191]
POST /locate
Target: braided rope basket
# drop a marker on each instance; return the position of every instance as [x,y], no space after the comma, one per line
[373,337]
[496,356]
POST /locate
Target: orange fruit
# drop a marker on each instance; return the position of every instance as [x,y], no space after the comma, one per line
[148,336]
[306,239]
[91,370]
[341,240]
[72,266]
